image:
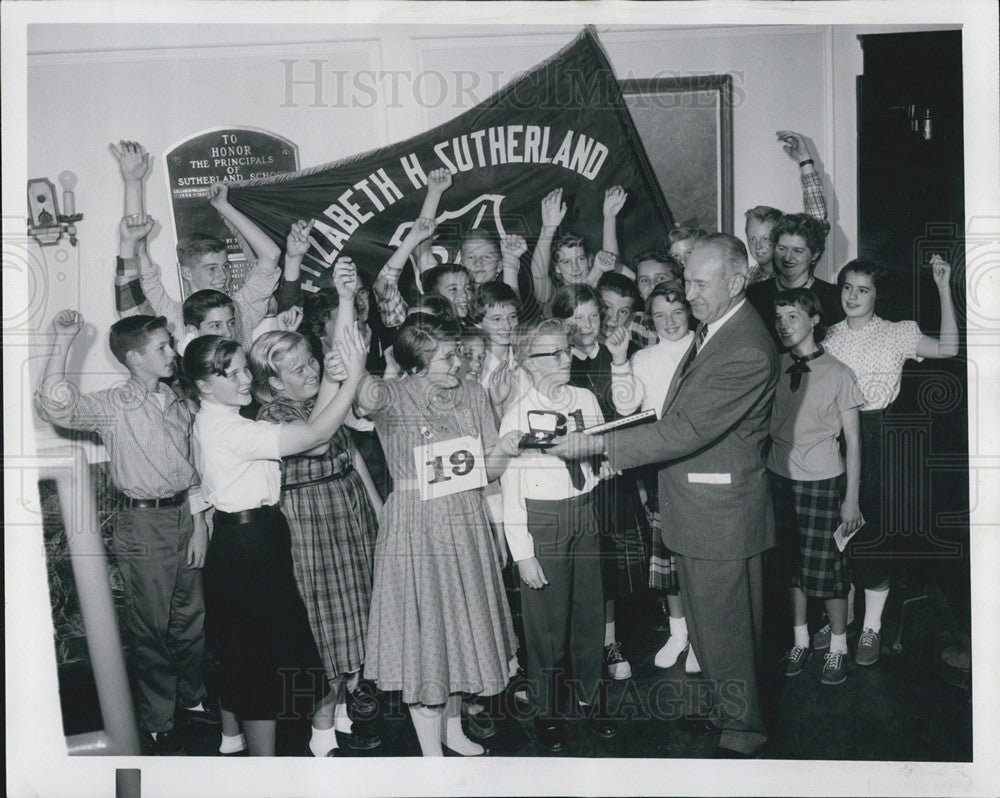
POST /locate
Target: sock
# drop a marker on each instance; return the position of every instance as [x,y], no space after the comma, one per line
[609,633]
[838,643]
[341,720]
[802,635]
[679,628]
[874,604]
[322,741]
[850,605]
[232,745]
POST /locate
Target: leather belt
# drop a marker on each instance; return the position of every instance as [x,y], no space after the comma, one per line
[244,516]
[149,504]
[320,480]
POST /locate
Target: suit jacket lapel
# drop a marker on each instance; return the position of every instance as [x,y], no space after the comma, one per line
[713,343]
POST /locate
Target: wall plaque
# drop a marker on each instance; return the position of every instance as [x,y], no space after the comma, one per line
[227,154]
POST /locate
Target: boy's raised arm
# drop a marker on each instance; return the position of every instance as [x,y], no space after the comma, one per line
[265,251]
[391,305]
[438,181]
[133,165]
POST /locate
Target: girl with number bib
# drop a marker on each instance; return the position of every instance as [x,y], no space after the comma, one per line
[439,625]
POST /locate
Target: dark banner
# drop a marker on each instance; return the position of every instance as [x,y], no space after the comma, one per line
[563,125]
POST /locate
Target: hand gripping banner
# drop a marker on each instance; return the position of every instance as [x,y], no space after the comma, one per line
[563,125]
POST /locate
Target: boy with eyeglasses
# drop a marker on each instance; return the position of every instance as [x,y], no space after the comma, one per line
[552,531]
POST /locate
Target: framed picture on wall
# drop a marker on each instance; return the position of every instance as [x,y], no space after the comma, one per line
[686,124]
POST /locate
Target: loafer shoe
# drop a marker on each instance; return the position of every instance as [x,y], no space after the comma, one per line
[200,714]
[549,733]
[362,704]
[168,743]
[603,726]
[363,738]
[480,724]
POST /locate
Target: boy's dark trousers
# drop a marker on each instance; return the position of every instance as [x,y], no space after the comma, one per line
[568,612]
[164,611]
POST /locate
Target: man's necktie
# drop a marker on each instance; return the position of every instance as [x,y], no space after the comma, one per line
[799,367]
[699,339]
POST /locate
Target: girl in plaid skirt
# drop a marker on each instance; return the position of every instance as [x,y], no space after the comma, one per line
[333,527]
[816,400]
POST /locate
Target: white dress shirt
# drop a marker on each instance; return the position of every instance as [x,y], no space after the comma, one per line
[239,459]
[536,475]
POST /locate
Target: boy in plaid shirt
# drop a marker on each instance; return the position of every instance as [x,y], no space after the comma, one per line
[161,544]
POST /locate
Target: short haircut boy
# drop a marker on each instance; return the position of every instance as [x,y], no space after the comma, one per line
[432,278]
[806,301]
[192,248]
[489,295]
[621,285]
[197,306]
[568,298]
[763,213]
[683,234]
[132,334]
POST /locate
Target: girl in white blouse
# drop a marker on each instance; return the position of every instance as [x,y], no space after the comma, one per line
[255,620]
[876,349]
[643,383]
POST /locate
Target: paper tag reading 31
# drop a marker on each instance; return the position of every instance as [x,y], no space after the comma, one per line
[450,466]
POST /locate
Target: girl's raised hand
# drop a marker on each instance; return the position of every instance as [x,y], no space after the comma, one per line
[553,208]
[438,181]
[422,229]
[345,278]
[297,243]
[941,270]
[501,383]
[513,245]
[614,200]
[352,351]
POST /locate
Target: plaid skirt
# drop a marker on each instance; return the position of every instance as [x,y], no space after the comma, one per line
[806,514]
[333,529]
[624,536]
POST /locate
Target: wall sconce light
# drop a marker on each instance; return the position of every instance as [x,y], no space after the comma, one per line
[45,224]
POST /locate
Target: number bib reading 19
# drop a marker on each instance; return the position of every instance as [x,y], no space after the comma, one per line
[450,466]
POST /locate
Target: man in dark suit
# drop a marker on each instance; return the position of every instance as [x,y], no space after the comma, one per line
[715,506]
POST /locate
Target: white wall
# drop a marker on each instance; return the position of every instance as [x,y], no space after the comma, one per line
[160,84]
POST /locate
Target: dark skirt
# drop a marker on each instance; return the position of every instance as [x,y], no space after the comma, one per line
[269,667]
[806,515]
[870,548]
